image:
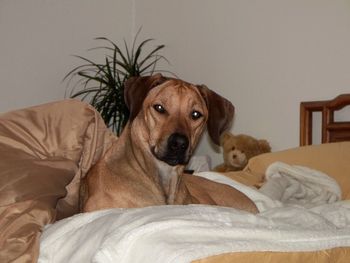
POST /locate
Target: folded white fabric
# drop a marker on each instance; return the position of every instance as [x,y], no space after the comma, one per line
[262,201]
[299,185]
[199,163]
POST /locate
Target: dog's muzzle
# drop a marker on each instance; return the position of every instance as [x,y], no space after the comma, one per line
[175,151]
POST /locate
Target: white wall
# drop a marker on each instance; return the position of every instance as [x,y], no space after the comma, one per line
[39,37]
[265,56]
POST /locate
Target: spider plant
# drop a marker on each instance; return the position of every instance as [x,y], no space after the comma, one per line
[102,84]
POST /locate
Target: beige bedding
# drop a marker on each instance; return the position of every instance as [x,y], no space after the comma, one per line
[46,149]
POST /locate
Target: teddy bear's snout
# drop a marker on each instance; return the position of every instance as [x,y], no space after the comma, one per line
[238,158]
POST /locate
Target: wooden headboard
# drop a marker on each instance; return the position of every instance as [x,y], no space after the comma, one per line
[332,131]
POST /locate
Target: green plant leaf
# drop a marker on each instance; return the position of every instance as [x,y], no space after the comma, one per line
[102,84]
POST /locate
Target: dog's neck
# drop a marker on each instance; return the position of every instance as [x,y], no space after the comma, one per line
[169,176]
[144,163]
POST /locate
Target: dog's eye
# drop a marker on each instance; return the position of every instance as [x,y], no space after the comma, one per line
[159,108]
[233,148]
[195,115]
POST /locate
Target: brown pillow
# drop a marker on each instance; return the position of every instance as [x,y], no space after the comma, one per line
[44,151]
[29,192]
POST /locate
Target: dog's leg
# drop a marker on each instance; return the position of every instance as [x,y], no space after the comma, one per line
[180,193]
[174,183]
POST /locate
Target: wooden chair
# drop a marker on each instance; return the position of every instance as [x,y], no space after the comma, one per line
[332,131]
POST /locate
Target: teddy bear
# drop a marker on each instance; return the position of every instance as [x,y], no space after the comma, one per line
[238,149]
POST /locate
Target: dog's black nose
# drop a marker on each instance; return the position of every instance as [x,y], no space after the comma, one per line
[176,150]
[178,143]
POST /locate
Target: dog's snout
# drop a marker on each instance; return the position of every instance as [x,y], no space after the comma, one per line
[174,150]
[178,142]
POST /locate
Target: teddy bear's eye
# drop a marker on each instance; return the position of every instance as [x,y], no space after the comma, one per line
[233,148]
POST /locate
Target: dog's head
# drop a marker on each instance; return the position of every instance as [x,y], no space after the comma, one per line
[174,113]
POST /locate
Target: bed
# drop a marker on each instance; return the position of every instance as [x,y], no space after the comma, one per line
[302,195]
[331,130]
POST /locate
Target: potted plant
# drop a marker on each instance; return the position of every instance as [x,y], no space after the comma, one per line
[102,84]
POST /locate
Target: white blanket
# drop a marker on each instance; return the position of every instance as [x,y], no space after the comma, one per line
[185,233]
[299,185]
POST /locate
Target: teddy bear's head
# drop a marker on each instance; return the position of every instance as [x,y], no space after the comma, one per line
[238,149]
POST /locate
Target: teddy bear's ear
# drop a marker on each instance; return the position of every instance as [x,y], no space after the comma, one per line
[225,136]
[264,146]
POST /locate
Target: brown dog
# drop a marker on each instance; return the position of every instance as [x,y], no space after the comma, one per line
[144,166]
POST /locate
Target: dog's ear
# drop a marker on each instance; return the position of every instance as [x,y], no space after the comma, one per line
[136,90]
[225,136]
[221,113]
